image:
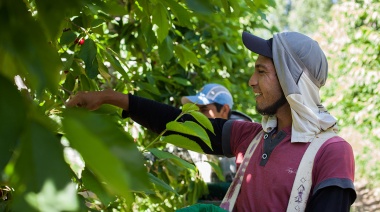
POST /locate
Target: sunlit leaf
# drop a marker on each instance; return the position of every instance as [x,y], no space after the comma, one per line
[203,120]
[52,199]
[182,142]
[188,107]
[160,18]
[189,128]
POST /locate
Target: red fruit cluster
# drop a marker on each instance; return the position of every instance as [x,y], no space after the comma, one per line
[79,41]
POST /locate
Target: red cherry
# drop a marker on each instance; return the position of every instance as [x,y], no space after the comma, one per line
[81,42]
[76,41]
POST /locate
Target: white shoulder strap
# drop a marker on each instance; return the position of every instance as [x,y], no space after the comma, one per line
[233,191]
[303,181]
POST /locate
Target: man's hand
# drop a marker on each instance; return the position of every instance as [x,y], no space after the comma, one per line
[91,100]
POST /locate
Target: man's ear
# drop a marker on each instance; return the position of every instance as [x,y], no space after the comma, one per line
[225,110]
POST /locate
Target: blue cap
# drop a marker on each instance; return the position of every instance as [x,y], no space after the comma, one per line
[210,93]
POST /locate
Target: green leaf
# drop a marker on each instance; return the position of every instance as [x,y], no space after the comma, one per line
[230,48]
[165,50]
[188,107]
[148,33]
[179,12]
[96,144]
[201,6]
[88,55]
[217,170]
[160,185]
[185,55]
[183,142]
[35,187]
[202,119]
[160,18]
[52,199]
[251,4]
[67,38]
[103,69]
[226,6]
[182,81]
[235,7]
[189,128]
[28,48]
[143,6]
[192,57]
[68,60]
[97,22]
[69,83]
[149,88]
[94,185]
[166,155]
[13,112]
[52,15]
[85,83]
[226,59]
[115,63]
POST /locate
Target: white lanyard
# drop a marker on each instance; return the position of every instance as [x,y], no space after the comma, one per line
[233,191]
[303,181]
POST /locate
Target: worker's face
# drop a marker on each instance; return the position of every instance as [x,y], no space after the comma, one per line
[211,111]
[265,85]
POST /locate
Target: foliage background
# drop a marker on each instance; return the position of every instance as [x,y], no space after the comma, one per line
[161,50]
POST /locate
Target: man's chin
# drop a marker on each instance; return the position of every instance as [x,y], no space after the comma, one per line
[264,111]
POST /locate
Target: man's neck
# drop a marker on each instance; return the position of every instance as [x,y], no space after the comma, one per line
[284,117]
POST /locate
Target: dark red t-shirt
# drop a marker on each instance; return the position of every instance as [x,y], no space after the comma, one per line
[267,187]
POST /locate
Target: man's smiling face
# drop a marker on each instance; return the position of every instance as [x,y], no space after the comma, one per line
[266,87]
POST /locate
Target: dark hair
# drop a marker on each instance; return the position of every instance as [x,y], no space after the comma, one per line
[220,106]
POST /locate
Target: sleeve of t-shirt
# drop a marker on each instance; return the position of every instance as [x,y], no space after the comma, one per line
[237,135]
[334,165]
[331,199]
[154,116]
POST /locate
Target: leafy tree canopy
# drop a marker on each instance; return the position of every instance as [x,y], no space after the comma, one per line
[161,50]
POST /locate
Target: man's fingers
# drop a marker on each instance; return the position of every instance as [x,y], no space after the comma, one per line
[74,101]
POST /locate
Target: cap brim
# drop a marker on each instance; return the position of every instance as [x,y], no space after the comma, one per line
[256,44]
